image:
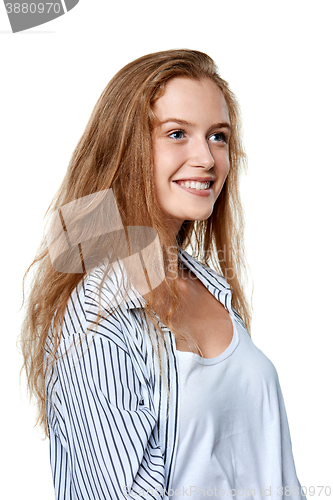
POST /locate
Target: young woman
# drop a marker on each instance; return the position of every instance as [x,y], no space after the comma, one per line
[139,352]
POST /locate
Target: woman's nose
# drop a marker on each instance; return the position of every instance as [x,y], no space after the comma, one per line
[200,155]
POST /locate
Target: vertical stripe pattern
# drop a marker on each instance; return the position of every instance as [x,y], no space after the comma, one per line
[106,402]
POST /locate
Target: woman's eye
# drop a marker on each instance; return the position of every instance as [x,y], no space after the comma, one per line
[177,134]
[219,137]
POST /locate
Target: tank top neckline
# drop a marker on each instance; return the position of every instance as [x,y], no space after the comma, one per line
[217,359]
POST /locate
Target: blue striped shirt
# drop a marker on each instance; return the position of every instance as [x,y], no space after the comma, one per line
[110,427]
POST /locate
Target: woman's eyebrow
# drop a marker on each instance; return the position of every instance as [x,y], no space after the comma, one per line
[184,122]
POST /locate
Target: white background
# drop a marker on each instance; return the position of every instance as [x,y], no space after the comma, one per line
[277,57]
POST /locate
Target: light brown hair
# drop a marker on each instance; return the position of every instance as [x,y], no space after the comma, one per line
[115,151]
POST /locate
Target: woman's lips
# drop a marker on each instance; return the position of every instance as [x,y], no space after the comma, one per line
[198,192]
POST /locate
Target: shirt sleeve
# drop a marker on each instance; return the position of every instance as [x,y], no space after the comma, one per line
[108,447]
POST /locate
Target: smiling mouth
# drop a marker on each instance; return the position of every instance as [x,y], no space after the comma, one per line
[203,192]
[199,186]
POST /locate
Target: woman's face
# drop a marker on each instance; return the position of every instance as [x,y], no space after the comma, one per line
[190,145]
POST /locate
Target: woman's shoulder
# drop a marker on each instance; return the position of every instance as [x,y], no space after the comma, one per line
[96,305]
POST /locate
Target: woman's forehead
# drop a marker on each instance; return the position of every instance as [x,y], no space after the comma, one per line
[188,99]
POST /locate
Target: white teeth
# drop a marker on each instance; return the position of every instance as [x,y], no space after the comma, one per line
[195,185]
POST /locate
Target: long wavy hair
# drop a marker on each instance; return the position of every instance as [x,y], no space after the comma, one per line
[115,151]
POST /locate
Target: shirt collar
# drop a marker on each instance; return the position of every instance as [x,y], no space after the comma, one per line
[215,283]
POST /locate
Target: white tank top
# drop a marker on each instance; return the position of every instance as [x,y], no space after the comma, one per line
[234,439]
